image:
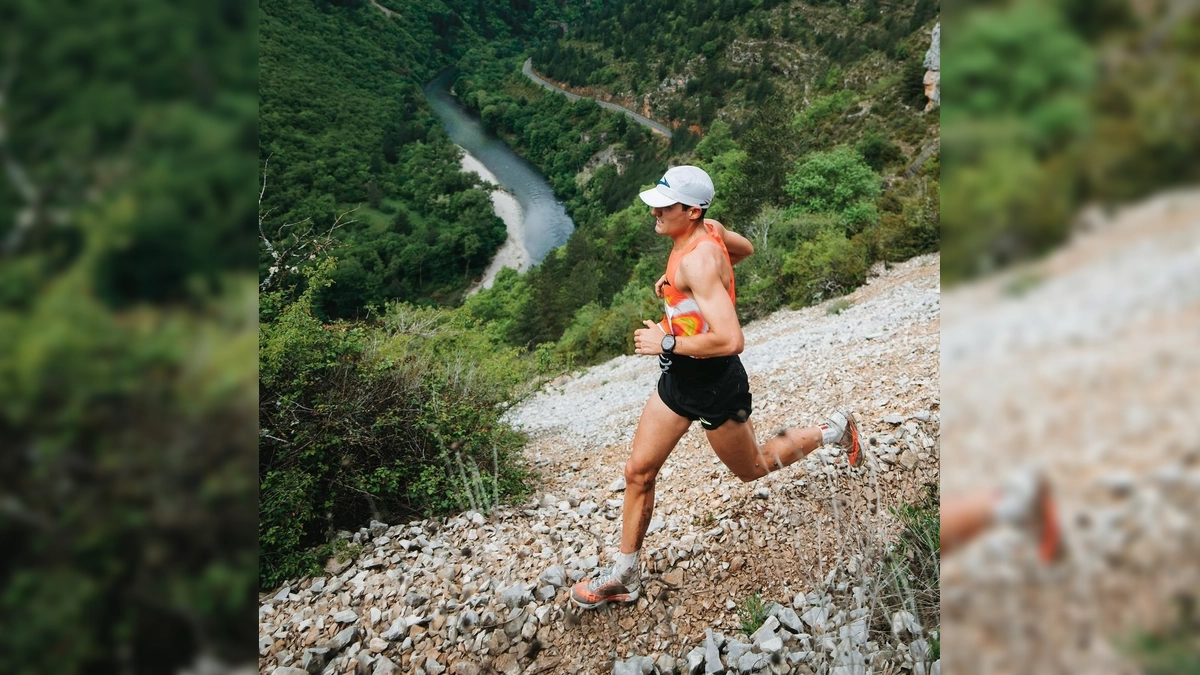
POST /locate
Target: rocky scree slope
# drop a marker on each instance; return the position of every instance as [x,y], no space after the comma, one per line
[489,593]
[1084,363]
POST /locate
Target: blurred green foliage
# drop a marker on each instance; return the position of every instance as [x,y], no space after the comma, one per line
[1168,652]
[127,322]
[1049,106]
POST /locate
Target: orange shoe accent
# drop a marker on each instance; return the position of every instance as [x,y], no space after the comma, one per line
[850,441]
[1049,533]
[607,587]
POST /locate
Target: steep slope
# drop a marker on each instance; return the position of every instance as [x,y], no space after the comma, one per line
[474,591]
[1084,363]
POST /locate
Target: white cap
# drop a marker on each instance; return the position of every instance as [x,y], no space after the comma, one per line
[688,185]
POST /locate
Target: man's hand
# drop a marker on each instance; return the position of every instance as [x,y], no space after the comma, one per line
[659,284]
[648,340]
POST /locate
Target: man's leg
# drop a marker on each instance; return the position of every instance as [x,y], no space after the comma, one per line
[737,448]
[657,434]
[1024,500]
[963,518]
[735,444]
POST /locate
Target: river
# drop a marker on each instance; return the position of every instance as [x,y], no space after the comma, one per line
[536,219]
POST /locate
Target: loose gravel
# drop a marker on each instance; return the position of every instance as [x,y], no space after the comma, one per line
[481,592]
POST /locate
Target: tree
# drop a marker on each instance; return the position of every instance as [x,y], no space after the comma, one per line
[288,245]
[877,150]
[769,144]
[838,181]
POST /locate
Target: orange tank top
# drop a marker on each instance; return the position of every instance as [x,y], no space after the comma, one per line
[683,316]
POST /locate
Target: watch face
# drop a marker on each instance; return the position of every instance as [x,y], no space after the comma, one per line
[668,343]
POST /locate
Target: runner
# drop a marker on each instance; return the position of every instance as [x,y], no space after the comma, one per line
[703,380]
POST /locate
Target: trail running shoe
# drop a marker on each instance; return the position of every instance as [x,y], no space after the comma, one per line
[1027,501]
[849,439]
[607,587]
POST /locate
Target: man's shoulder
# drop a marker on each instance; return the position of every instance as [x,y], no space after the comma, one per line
[706,248]
[707,252]
[705,260]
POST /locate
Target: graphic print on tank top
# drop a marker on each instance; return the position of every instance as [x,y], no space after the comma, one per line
[682,316]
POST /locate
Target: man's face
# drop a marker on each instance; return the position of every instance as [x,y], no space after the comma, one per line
[671,219]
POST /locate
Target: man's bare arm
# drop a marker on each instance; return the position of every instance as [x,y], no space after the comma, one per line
[700,274]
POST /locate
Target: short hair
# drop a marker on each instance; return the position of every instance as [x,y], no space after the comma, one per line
[686,207]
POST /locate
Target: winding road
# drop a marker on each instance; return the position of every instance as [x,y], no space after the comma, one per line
[644,121]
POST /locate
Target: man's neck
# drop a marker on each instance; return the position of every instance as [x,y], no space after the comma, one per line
[685,238]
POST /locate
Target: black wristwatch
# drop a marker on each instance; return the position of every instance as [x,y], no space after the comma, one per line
[668,344]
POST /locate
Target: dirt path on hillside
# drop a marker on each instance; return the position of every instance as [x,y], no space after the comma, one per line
[650,124]
[386,12]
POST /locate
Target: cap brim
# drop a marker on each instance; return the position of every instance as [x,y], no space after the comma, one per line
[657,199]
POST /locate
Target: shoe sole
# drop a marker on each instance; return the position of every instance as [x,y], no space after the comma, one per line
[854,454]
[623,597]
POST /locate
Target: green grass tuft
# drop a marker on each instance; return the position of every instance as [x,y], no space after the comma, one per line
[752,612]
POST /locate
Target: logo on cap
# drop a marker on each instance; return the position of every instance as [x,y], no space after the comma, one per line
[663,181]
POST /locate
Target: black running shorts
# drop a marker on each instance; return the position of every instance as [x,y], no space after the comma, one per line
[712,400]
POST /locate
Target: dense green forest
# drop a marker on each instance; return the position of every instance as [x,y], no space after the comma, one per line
[365,410]
[344,129]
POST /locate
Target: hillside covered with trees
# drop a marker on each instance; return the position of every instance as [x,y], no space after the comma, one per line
[808,117]
[380,388]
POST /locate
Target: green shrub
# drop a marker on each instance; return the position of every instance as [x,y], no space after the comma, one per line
[1168,652]
[858,216]
[828,266]
[838,181]
[776,234]
[390,420]
[838,306]
[825,107]
[877,150]
[597,333]
[913,231]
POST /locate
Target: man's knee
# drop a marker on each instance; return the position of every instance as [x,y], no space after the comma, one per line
[753,472]
[639,474]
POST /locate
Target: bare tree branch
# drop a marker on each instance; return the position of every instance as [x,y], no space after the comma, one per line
[289,247]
